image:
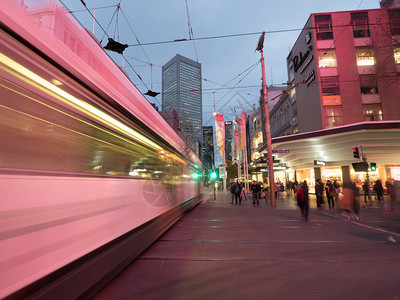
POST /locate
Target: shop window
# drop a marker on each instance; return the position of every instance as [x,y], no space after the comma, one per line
[327,59]
[396,51]
[323,24]
[330,86]
[394,20]
[369,85]
[333,116]
[365,57]
[372,112]
[360,24]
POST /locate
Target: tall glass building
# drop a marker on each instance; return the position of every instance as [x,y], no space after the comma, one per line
[181,89]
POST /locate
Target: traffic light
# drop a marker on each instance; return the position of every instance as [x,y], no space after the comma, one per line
[372,166]
[356,153]
[213,175]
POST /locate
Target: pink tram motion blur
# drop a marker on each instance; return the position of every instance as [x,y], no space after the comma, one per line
[90,174]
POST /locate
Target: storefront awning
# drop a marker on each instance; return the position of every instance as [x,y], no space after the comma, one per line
[380,141]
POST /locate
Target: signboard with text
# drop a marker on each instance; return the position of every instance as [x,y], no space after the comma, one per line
[332,100]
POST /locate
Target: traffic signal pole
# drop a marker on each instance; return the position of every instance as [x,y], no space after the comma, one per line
[364,158]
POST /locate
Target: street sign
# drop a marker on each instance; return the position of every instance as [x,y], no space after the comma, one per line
[360,167]
[319,163]
[280,151]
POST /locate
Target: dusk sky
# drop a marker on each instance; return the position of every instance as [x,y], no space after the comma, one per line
[225,61]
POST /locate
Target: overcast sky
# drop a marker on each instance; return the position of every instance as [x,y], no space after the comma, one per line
[223,59]
[226,62]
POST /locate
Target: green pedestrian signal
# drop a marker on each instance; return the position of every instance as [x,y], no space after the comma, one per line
[372,166]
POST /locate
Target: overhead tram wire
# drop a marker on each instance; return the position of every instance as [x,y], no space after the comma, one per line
[105,33]
[94,18]
[248,70]
[191,30]
[81,10]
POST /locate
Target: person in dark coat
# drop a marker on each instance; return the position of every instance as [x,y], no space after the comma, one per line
[378,188]
[237,190]
[319,191]
[256,190]
[329,194]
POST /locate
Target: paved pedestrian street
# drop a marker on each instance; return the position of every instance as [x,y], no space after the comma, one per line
[221,250]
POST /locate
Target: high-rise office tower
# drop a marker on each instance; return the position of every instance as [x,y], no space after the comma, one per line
[181,89]
[208,147]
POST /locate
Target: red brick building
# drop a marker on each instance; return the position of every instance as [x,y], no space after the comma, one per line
[346,66]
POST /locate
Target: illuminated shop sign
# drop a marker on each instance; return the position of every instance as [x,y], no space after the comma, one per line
[332,100]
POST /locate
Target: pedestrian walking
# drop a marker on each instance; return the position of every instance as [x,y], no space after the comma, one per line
[347,202]
[281,190]
[366,191]
[303,200]
[256,190]
[335,191]
[392,196]
[243,192]
[232,190]
[378,189]
[319,190]
[237,193]
[265,189]
[329,196]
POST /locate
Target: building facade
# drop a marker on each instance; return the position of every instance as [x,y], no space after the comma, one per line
[181,90]
[345,67]
[343,78]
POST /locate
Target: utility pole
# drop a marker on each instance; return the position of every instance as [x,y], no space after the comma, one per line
[270,162]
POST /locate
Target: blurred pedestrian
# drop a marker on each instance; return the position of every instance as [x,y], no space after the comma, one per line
[347,202]
[378,189]
[265,189]
[335,191]
[366,191]
[243,192]
[303,200]
[281,190]
[392,196]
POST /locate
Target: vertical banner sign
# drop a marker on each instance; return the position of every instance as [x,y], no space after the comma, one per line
[236,134]
[220,132]
[243,130]
[240,134]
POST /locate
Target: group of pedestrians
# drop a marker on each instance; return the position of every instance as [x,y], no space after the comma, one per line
[238,192]
[258,190]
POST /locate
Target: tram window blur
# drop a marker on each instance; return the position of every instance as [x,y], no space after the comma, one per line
[38,134]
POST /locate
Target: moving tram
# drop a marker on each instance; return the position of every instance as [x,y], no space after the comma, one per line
[90,174]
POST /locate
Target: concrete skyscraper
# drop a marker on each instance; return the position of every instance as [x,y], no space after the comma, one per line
[181,89]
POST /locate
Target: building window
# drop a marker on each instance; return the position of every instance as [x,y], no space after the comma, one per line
[327,58]
[369,85]
[396,51]
[394,20]
[323,24]
[360,24]
[330,86]
[372,112]
[333,116]
[365,57]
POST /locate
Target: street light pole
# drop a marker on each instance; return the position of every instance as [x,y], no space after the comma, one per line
[270,162]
